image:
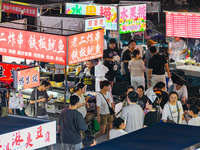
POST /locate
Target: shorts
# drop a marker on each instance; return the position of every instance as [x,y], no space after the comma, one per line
[106,119]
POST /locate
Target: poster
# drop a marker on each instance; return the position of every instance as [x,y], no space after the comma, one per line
[181,24]
[108,11]
[29,138]
[7,71]
[33,45]
[19,9]
[132,18]
[85,46]
[27,78]
[96,23]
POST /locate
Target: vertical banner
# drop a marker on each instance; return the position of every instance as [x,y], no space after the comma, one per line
[27,78]
[85,46]
[132,18]
[108,11]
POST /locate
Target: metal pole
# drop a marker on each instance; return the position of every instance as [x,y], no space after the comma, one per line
[36,102]
[143,38]
[118,35]
[40,26]
[66,73]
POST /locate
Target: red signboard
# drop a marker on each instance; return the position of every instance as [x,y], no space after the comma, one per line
[7,70]
[183,25]
[18,9]
[85,46]
[33,45]
[27,78]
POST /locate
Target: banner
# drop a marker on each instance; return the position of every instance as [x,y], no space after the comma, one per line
[132,18]
[108,11]
[19,9]
[32,45]
[29,138]
[27,78]
[96,23]
[85,46]
[7,71]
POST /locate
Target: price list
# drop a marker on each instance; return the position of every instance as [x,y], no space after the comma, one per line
[183,25]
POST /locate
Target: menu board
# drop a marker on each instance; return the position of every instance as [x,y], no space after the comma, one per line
[108,11]
[132,18]
[183,25]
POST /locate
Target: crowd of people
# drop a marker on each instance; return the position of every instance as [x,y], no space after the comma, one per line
[146,75]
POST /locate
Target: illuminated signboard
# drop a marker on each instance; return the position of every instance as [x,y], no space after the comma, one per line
[96,23]
[30,138]
[132,18]
[27,78]
[108,11]
[33,45]
[7,70]
[85,46]
[183,24]
[19,9]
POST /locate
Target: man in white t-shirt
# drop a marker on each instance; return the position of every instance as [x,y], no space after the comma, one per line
[133,113]
[177,49]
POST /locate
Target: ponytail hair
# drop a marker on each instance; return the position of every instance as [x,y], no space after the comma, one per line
[78,86]
[104,83]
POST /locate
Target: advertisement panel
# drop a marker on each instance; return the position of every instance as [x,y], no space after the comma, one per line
[30,138]
[132,18]
[27,78]
[182,24]
[19,9]
[33,45]
[96,23]
[108,11]
[7,71]
[85,46]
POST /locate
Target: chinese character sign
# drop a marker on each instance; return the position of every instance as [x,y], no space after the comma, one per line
[33,45]
[96,23]
[110,12]
[33,137]
[132,18]
[7,70]
[85,46]
[18,9]
[27,78]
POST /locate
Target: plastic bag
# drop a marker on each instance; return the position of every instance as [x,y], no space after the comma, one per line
[14,102]
[170,83]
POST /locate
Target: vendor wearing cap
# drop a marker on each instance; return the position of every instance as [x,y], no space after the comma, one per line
[110,56]
[177,49]
[147,57]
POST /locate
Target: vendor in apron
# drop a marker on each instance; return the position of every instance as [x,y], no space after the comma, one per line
[177,50]
[87,75]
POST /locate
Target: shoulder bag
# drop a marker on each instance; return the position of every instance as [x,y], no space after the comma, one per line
[29,110]
[112,112]
[172,121]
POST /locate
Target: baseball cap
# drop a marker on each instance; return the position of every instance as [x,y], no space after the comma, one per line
[149,42]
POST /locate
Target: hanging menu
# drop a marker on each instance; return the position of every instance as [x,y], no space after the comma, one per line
[183,25]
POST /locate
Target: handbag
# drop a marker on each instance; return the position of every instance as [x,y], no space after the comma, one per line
[112,112]
[172,121]
[29,110]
